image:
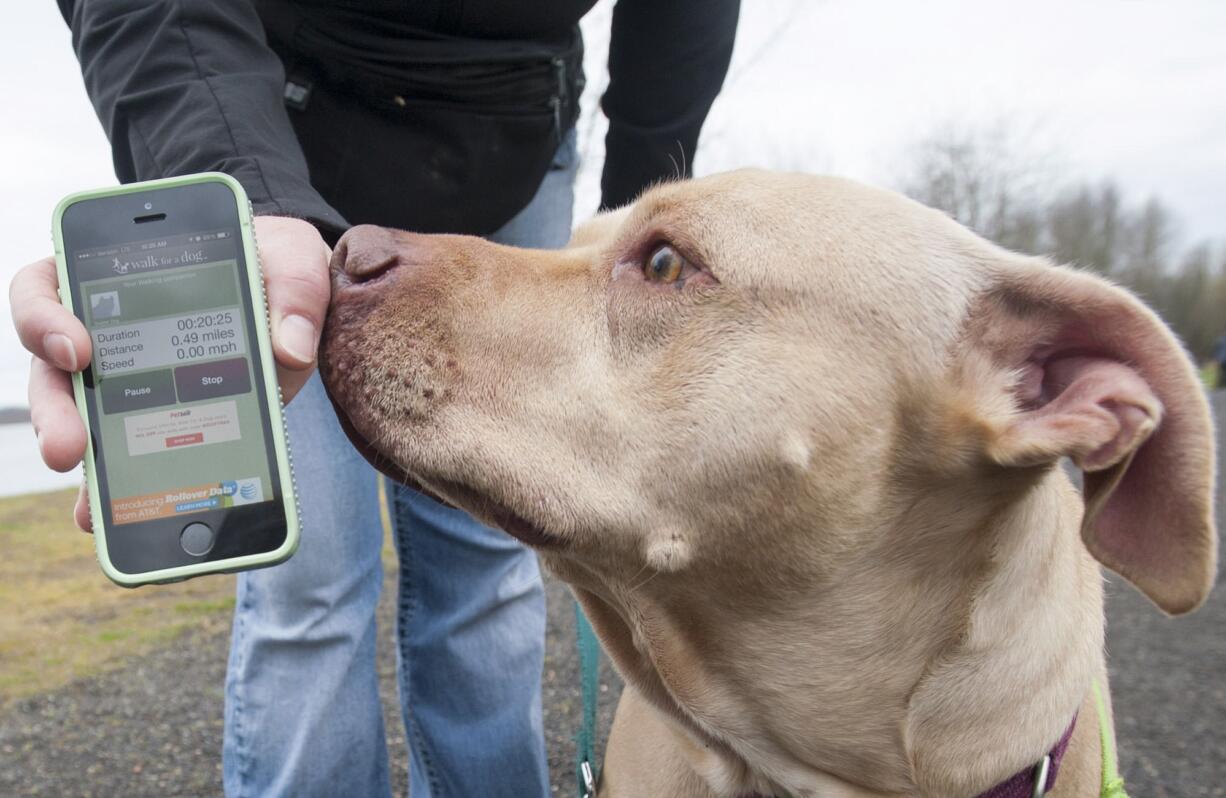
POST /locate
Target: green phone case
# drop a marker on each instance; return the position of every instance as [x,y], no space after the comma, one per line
[275,409]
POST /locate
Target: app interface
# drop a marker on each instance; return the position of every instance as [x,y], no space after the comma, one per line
[174,383]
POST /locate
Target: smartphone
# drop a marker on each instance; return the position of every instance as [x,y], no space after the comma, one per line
[187,461]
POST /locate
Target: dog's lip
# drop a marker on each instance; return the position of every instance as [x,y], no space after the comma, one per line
[502,516]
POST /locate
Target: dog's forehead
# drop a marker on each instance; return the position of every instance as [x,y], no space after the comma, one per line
[795,231]
[826,240]
[826,257]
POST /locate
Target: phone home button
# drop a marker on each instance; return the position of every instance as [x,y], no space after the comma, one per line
[197,539]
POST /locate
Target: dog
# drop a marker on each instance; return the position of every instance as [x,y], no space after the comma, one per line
[795,443]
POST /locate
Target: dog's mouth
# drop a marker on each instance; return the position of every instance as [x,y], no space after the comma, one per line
[450,492]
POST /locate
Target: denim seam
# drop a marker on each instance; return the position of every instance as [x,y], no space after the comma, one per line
[407,607]
[240,744]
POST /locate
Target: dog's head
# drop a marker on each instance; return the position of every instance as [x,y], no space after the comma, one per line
[763,421]
[760,359]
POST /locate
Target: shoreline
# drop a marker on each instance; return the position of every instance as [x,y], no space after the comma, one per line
[22,471]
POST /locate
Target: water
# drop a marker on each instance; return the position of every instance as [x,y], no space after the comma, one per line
[22,470]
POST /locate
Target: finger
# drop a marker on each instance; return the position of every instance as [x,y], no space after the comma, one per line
[46,327]
[57,423]
[80,513]
[295,261]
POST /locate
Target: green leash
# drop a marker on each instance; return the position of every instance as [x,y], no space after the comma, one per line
[589,671]
[1113,785]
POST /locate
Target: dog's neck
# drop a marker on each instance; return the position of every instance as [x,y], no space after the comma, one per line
[1011,681]
[944,661]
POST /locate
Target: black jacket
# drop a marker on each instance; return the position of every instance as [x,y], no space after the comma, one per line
[184,86]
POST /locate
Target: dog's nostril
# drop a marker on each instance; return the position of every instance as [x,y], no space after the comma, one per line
[363,266]
[364,253]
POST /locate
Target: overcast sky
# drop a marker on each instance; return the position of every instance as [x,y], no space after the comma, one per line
[1122,88]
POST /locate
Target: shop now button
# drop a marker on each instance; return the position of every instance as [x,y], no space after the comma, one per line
[184,440]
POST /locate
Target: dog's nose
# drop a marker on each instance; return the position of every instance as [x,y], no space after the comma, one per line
[365,252]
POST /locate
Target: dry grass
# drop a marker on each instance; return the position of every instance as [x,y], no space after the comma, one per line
[61,619]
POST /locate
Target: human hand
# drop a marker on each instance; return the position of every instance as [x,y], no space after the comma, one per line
[295,260]
[296,277]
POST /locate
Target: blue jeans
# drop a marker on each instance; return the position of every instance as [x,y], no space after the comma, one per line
[302,714]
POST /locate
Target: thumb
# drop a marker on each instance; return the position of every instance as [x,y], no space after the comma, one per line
[295,262]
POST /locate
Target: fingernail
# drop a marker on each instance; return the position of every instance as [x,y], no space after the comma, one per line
[299,338]
[61,351]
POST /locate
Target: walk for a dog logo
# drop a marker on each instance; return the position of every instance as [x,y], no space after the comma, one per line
[157,261]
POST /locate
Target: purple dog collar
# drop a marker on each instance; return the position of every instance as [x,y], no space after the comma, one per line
[1033,782]
[1030,783]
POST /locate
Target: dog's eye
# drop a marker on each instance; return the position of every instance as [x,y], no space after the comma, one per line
[664,266]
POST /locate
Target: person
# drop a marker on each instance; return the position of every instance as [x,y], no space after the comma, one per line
[430,116]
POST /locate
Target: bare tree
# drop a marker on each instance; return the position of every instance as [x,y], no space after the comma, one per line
[1084,227]
[988,179]
[1193,300]
[982,178]
[1151,239]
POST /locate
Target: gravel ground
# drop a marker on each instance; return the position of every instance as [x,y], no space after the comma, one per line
[1168,682]
[159,734]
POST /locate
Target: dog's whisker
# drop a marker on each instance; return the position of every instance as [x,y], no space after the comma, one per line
[644,583]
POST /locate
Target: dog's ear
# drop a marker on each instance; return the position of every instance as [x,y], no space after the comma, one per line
[1100,379]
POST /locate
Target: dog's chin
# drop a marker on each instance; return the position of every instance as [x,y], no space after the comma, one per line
[447,491]
[377,459]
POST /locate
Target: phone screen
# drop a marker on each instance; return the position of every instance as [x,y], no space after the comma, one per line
[177,412]
[177,405]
